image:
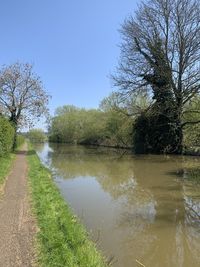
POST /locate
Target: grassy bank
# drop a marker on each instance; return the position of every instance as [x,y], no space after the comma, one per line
[62,240]
[5,166]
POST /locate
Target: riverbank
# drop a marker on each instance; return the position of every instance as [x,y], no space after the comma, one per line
[189,151]
[61,239]
[106,145]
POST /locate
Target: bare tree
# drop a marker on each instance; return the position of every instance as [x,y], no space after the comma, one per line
[161,52]
[22,97]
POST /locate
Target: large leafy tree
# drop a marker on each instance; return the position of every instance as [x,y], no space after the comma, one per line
[160,53]
[22,96]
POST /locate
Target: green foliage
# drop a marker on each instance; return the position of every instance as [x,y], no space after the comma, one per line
[62,240]
[110,103]
[118,129]
[6,136]
[192,131]
[148,127]
[6,144]
[192,136]
[65,125]
[5,163]
[155,133]
[75,125]
[94,126]
[92,123]
[37,136]
[20,140]
[140,136]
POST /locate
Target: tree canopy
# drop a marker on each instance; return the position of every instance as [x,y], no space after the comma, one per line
[93,127]
[160,54]
[22,96]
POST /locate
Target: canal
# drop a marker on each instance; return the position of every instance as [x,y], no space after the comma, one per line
[138,209]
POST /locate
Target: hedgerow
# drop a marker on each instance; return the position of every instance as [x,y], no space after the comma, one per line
[7,133]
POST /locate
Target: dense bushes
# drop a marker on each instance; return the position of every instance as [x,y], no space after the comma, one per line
[94,126]
[6,136]
[154,133]
[146,127]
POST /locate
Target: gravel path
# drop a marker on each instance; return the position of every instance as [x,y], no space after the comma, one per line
[17,227]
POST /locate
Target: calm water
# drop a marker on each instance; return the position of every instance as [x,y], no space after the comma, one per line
[137,208]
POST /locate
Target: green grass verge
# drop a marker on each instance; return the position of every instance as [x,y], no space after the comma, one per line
[62,240]
[5,166]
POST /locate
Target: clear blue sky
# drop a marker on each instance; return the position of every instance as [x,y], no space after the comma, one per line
[73,44]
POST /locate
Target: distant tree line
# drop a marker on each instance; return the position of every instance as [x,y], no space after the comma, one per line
[113,124]
[93,127]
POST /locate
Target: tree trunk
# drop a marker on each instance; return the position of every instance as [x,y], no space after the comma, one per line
[13,120]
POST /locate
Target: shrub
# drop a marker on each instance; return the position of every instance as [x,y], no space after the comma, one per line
[7,133]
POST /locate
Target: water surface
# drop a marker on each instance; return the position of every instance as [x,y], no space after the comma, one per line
[137,208]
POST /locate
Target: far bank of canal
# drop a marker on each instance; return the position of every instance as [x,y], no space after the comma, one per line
[137,208]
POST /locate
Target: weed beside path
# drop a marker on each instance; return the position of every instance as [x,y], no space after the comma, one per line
[7,160]
[5,166]
[62,240]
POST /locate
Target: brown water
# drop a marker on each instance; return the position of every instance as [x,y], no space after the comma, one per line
[138,208]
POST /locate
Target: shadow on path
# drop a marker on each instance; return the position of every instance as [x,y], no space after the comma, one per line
[24,152]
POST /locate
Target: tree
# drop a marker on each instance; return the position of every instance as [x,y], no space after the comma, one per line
[160,53]
[120,116]
[76,125]
[22,96]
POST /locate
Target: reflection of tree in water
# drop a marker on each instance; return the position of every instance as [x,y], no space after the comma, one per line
[74,161]
[192,217]
[192,202]
[175,231]
[159,214]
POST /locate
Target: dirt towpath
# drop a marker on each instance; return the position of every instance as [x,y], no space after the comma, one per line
[17,227]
